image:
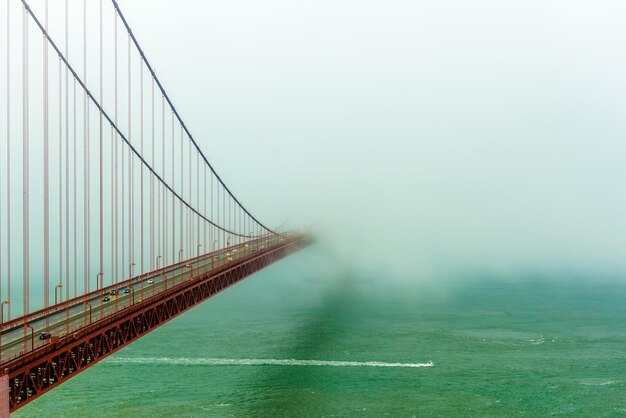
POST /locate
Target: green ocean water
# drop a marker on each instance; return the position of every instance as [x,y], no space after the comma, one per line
[532,347]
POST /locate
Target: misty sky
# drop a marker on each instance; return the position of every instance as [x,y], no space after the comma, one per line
[434,137]
[428,134]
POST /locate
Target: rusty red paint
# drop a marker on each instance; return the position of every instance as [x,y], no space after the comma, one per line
[44,369]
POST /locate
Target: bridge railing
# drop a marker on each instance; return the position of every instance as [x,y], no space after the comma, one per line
[80,300]
[219,260]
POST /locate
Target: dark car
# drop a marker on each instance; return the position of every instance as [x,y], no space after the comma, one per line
[127,290]
[106,298]
[45,335]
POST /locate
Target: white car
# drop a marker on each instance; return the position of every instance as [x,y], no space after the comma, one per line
[150,281]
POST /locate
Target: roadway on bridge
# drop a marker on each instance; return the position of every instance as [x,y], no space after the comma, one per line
[20,340]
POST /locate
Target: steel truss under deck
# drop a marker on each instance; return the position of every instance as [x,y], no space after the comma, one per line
[46,368]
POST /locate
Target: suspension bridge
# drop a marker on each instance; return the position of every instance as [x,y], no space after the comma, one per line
[112,219]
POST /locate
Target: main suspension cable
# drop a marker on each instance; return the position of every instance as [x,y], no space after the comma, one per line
[118,130]
[206,161]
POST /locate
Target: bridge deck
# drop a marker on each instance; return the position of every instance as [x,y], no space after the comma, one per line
[88,329]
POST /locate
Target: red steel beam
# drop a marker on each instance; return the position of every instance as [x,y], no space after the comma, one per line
[44,369]
[62,306]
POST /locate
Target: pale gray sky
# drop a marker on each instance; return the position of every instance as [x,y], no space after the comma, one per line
[427,134]
[430,137]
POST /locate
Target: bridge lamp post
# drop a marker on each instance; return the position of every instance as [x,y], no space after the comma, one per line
[4,302]
[32,337]
[157,261]
[99,282]
[199,245]
[214,244]
[180,255]
[59,286]
[2,321]
[190,266]
[130,270]
[89,303]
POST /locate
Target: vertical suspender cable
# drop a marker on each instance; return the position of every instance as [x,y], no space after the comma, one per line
[101,269]
[197,228]
[60,159]
[86,160]
[123,193]
[115,174]
[217,209]
[46,179]
[182,192]
[211,236]
[162,191]
[8,162]
[174,258]
[67,170]
[166,237]
[188,212]
[160,253]
[131,231]
[141,173]
[130,173]
[7,122]
[152,191]
[113,206]
[74,190]
[167,240]
[163,248]
[25,179]
[206,250]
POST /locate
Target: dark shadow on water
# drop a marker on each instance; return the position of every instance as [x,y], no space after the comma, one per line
[277,391]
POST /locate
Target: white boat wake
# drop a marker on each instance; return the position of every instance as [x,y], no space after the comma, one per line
[183,361]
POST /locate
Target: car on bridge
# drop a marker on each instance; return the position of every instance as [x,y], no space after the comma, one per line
[113,292]
[45,335]
[106,298]
[126,290]
[150,281]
